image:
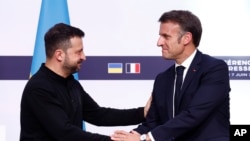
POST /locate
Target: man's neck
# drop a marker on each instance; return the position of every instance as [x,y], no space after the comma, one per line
[56,68]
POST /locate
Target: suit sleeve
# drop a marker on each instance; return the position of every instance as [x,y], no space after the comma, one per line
[152,120]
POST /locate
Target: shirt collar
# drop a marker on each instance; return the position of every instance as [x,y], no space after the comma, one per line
[188,61]
[55,76]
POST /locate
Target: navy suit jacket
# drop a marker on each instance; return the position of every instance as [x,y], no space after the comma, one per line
[203,113]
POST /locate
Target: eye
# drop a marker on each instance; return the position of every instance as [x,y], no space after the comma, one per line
[165,36]
[80,51]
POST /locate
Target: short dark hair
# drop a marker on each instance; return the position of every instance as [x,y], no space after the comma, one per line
[187,21]
[59,36]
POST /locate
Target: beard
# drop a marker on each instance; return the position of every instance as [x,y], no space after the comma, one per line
[72,67]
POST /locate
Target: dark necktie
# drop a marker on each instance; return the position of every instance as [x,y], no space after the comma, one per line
[178,84]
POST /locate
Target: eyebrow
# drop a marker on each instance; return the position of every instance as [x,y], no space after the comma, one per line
[165,35]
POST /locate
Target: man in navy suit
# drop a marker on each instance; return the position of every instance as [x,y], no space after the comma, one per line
[201,111]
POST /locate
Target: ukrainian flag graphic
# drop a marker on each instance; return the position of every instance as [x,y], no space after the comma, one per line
[114,67]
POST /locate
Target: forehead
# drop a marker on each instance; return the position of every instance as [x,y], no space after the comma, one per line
[76,42]
[169,27]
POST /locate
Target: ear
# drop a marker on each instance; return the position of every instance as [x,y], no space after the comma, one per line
[59,55]
[187,38]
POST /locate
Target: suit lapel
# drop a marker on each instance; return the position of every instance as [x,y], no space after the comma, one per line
[193,68]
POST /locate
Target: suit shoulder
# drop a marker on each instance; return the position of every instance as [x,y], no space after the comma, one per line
[211,60]
[166,73]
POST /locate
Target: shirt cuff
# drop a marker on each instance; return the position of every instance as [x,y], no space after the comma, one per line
[150,136]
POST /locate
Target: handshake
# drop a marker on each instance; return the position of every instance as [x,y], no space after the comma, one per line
[120,135]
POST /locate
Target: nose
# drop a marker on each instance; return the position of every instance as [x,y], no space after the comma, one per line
[160,42]
[83,57]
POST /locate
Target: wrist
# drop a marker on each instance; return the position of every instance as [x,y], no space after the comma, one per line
[145,137]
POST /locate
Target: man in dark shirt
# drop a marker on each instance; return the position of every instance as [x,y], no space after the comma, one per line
[54,104]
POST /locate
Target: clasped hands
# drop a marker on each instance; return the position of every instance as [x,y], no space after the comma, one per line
[121,135]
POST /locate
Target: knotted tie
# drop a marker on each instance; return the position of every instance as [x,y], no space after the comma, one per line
[178,84]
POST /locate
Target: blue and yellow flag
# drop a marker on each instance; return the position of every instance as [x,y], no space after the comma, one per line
[51,12]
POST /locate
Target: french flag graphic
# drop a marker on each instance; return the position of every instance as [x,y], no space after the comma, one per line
[133,68]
